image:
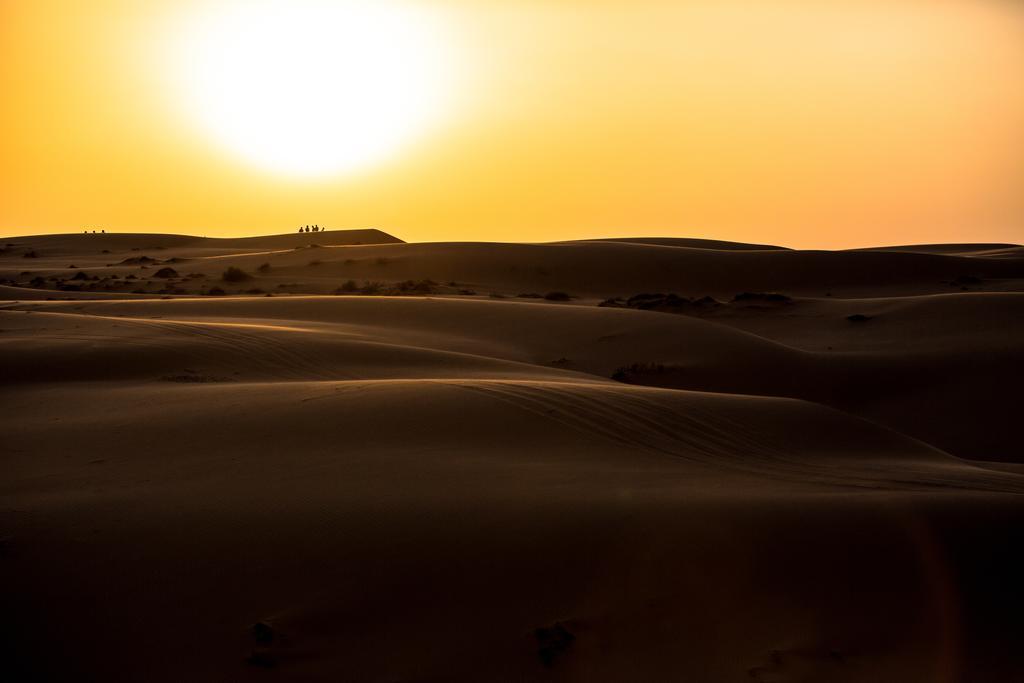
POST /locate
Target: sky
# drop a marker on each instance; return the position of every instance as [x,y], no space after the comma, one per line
[797,122]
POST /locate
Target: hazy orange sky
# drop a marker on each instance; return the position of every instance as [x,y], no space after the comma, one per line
[796,122]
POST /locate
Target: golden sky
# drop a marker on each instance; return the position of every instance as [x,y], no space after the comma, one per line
[796,122]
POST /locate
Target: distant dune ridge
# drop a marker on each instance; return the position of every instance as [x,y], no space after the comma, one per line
[339,456]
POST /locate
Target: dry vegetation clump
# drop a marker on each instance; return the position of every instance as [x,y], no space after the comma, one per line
[235,274]
[553,642]
[166,273]
[195,379]
[404,288]
[348,287]
[557,296]
[215,291]
[263,269]
[416,287]
[761,298]
[627,373]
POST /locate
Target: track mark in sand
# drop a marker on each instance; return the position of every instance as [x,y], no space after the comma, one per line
[244,340]
[645,419]
[630,419]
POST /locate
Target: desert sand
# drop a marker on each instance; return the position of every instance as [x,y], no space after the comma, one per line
[357,459]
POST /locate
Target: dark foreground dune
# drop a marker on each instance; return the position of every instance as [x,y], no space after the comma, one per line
[428,477]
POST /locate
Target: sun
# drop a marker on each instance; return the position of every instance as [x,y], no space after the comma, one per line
[314,87]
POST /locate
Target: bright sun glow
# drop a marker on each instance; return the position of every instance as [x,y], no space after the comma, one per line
[315,87]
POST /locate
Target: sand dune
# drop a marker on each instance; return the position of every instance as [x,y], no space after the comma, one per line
[467,487]
[319,263]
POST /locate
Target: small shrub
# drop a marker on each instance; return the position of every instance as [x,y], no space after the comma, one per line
[552,643]
[626,372]
[348,287]
[761,297]
[416,287]
[215,291]
[166,273]
[858,318]
[234,274]
[264,268]
[30,254]
[557,296]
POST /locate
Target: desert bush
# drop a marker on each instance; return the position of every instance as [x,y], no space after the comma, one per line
[166,273]
[215,291]
[557,296]
[264,268]
[348,287]
[552,643]
[234,274]
[754,297]
[30,254]
[626,372]
[416,287]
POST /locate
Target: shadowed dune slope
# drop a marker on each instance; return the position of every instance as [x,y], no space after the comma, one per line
[454,487]
[693,243]
[920,365]
[69,243]
[435,551]
[595,269]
